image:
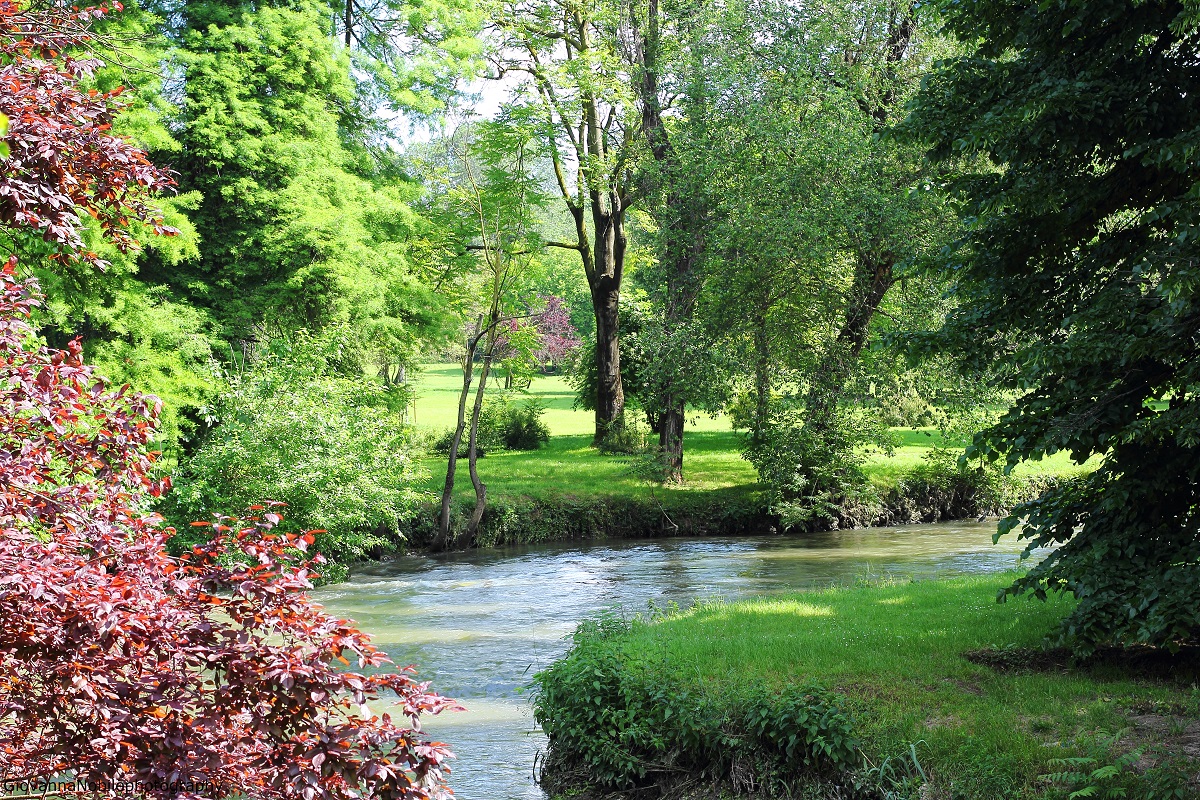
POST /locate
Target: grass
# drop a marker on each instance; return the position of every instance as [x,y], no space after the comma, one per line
[569,466]
[897,653]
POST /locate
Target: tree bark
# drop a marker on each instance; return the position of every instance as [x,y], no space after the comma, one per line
[489,352]
[683,237]
[872,280]
[442,540]
[610,393]
[762,380]
[670,439]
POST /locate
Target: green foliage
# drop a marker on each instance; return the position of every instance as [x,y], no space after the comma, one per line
[506,425]
[293,428]
[947,487]
[306,223]
[627,438]
[1103,774]
[629,721]
[1077,284]
[441,445]
[894,777]
[813,473]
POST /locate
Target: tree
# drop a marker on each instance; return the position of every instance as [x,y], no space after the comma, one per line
[494,206]
[63,158]
[209,676]
[557,338]
[1076,279]
[669,53]
[575,96]
[307,220]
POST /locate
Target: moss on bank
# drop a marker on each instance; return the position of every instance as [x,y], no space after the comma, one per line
[945,693]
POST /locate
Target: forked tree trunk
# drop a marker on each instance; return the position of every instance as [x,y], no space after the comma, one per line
[442,540]
[472,531]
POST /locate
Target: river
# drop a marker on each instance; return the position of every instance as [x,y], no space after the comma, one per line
[480,624]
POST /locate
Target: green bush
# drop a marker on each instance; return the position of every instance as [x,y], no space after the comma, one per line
[293,427]
[812,476]
[628,438]
[627,720]
[507,425]
[443,442]
[957,490]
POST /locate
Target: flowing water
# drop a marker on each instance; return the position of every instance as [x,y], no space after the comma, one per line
[480,624]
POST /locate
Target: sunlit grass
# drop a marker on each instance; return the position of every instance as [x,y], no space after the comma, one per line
[569,466]
[897,652]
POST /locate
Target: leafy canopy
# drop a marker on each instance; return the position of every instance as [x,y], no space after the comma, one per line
[1078,279]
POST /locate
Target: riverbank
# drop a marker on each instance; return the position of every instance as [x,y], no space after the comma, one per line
[569,491]
[927,493]
[887,688]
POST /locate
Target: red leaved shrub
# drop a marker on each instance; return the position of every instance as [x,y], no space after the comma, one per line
[63,157]
[129,672]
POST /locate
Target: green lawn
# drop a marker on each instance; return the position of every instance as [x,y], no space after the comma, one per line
[569,466]
[897,652]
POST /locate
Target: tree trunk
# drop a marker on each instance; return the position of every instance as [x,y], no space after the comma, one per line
[442,540]
[762,381]
[872,279]
[670,439]
[682,225]
[472,452]
[610,393]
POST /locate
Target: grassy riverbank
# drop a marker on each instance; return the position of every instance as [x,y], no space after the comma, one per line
[569,467]
[937,669]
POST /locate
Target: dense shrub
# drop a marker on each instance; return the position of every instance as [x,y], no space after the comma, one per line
[445,441]
[627,720]
[294,429]
[812,475]
[505,424]
[949,489]
[628,438]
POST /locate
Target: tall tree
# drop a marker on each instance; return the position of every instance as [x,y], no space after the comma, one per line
[668,61]
[1077,279]
[574,92]
[306,219]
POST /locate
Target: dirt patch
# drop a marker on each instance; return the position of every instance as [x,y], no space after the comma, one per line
[948,721]
[1180,734]
[1182,666]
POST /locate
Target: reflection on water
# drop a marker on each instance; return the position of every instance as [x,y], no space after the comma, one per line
[480,624]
